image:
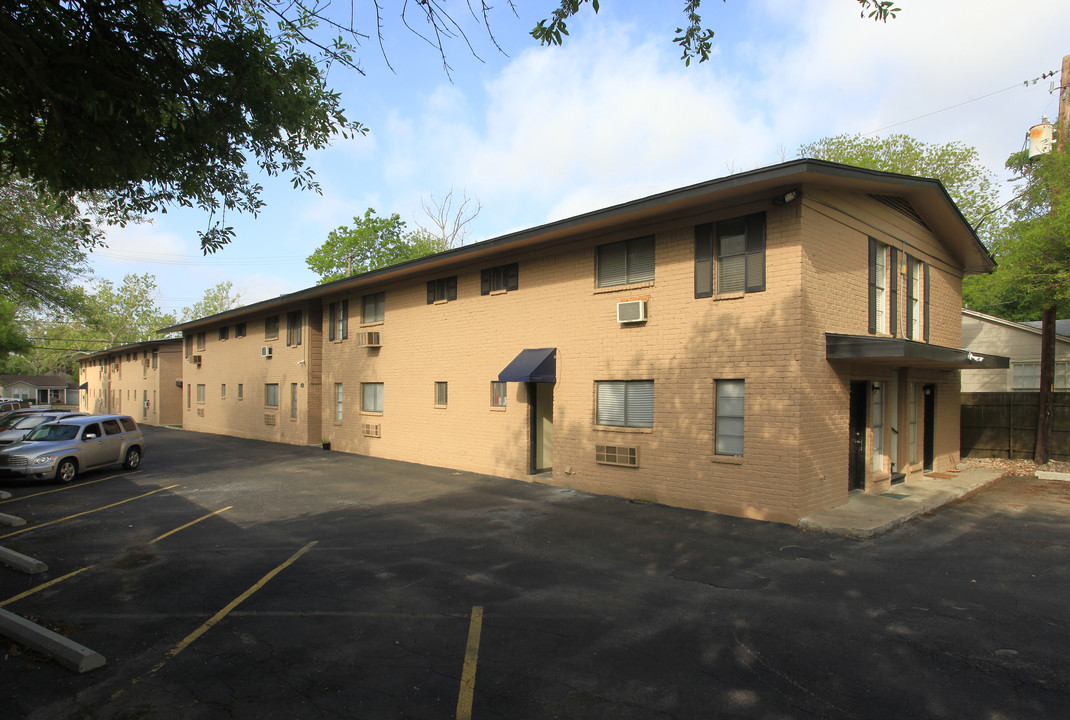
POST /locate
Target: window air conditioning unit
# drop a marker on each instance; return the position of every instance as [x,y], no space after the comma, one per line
[265,351]
[147,404]
[370,339]
[631,311]
[196,359]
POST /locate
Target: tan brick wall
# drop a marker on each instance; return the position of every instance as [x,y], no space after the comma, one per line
[122,382]
[797,403]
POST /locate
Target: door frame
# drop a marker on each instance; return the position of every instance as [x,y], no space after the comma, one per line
[536,436]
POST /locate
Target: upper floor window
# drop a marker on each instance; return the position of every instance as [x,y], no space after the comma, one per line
[239,330]
[224,332]
[730,256]
[338,320]
[200,340]
[625,262]
[374,309]
[503,277]
[886,265]
[189,345]
[917,311]
[442,290]
[271,327]
[293,327]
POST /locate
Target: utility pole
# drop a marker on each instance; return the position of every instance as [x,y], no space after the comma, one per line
[1048,317]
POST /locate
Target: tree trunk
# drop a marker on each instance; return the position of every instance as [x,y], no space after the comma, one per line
[1047,385]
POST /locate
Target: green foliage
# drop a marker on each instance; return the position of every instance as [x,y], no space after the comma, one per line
[371,243]
[958,166]
[1034,251]
[159,104]
[694,39]
[43,242]
[216,300]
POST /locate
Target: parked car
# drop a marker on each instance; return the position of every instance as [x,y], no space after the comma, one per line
[22,424]
[63,448]
[9,418]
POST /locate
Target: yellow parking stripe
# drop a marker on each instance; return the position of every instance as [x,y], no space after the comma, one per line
[87,512]
[42,586]
[468,673]
[72,486]
[228,507]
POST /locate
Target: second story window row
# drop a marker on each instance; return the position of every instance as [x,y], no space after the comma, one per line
[886,266]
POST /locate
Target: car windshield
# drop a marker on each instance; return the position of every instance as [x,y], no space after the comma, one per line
[30,421]
[8,420]
[53,432]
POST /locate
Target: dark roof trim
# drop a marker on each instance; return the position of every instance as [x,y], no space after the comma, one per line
[130,347]
[898,352]
[769,179]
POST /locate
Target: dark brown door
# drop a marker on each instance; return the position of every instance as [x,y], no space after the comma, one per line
[929,418]
[856,465]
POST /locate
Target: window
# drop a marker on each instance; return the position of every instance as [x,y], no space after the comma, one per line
[271,395]
[728,432]
[239,330]
[503,277]
[912,405]
[625,403]
[1026,375]
[441,394]
[293,327]
[338,402]
[498,392]
[200,393]
[271,327]
[293,400]
[200,340]
[241,391]
[877,407]
[626,262]
[733,252]
[155,357]
[442,290]
[223,391]
[375,307]
[338,320]
[883,313]
[189,345]
[371,397]
[913,309]
[224,332]
[111,427]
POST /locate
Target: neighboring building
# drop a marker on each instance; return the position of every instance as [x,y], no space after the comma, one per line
[757,345]
[143,380]
[54,389]
[1021,343]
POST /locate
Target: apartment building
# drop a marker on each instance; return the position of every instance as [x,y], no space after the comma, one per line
[758,345]
[143,380]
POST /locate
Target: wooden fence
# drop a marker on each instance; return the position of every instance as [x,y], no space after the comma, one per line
[1004,425]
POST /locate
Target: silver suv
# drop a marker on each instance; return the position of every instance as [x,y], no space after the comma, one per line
[60,450]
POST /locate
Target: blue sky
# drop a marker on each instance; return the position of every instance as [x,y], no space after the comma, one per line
[544,133]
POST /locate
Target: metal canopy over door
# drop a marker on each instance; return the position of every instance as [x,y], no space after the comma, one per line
[537,369]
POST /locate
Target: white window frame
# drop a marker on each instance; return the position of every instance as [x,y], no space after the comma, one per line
[730,417]
[372,397]
[876,407]
[338,406]
[499,393]
[624,403]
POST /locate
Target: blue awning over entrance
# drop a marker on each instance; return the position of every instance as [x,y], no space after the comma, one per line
[532,366]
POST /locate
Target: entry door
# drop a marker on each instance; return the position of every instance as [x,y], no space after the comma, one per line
[856,464]
[930,425]
[542,426]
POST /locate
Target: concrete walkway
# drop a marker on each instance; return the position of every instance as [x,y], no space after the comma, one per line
[865,515]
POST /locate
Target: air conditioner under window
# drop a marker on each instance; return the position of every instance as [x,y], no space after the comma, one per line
[631,311]
[265,351]
[370,339]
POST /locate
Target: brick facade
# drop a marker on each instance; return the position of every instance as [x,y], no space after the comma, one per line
[142,380]
[797,402]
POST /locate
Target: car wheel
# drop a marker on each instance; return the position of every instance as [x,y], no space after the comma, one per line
[66,471]
[133,458]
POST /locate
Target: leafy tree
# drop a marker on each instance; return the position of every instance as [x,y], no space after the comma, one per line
[694,39]
[956,165]
[371,243]
[128,313]
[43,242]
[216,300]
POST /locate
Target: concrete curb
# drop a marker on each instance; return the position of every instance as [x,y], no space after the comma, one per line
[63,650]
[1045,475]
[21,562]
[11,520]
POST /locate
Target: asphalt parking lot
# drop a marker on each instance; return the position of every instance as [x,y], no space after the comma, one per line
[230,578]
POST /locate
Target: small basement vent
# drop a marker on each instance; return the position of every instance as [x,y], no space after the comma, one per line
[371,429]
[269,419]
[614,455]
[200,412]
